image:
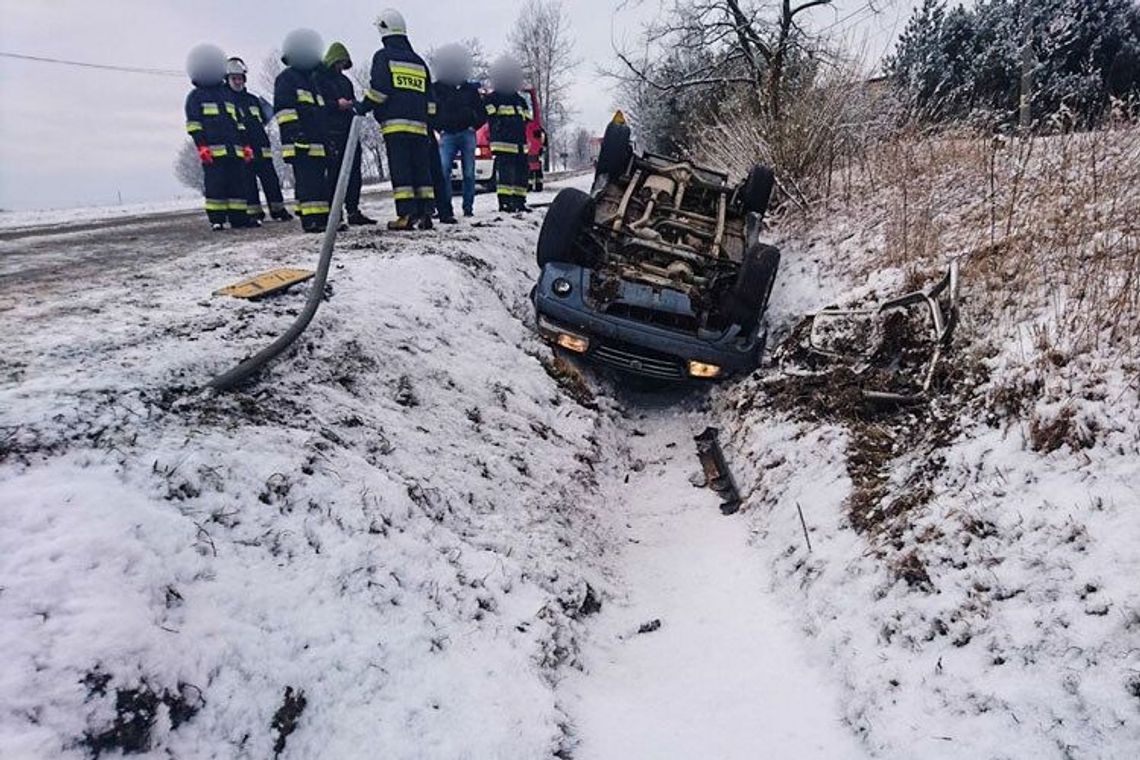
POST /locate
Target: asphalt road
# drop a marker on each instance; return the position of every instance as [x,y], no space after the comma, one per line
[37,260]
[42,260]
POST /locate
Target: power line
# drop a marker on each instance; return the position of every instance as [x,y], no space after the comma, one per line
[87,65]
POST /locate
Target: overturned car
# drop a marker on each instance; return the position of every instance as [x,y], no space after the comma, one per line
[658,270]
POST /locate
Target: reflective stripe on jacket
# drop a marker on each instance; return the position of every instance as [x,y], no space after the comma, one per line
[213,118]
[300,113]
[254,116]
[400,88]
[508,114]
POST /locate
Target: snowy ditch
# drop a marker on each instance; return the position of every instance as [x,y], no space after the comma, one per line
[421,535]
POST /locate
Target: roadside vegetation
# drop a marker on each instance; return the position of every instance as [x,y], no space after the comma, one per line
[994,527]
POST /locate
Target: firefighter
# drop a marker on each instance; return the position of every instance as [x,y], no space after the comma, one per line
[459,114]
[340,95]
[508,113]
[254,111]
[213,122]
[399,96]
[300,115]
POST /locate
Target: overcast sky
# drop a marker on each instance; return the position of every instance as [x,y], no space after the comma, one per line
[72,136]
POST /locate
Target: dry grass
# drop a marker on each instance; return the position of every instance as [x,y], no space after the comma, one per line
[834,118]
[1051,225]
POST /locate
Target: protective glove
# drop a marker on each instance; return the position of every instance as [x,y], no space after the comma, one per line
[361,107]
[247,153]
[204,154]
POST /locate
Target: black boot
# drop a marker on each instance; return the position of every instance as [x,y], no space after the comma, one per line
[425,222]
[355,217]
[281,215]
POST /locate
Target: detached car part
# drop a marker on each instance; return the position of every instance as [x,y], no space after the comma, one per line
[717,475]
[858,337]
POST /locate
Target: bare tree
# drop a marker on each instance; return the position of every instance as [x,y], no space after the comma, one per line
[583,154]
[188,167]
[541,41]
[479,64]
[752,43]
[371,143]
[271,66]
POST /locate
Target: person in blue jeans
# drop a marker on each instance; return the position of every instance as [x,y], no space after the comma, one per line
[459,113]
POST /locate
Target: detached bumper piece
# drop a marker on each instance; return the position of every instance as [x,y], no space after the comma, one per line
[717,475]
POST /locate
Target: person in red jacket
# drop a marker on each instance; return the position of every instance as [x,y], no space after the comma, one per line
[213,122]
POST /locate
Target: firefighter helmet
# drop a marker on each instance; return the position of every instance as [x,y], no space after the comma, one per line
[506,75]
[302,48]
[390,22]
[206,64]
[236,65]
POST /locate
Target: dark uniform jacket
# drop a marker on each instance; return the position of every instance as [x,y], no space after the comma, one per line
[458,107]
[508,113]
[300,114]
[214,119]
[332,86]
[400,89]
[254,112]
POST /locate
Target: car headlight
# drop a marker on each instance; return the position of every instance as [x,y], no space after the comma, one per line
[702,370]
[575,343]
[561,287]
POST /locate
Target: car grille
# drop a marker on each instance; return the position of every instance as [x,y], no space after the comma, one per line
[639,360]
[686,322]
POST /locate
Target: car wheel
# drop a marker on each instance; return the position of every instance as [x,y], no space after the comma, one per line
[756,191]
[570,211]
[749,298]
[615,152]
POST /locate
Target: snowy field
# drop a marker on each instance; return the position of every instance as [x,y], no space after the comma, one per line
[20,219]
[418,536]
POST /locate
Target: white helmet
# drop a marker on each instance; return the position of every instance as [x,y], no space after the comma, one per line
[451,64]
[236,65]
[390,22]
[506,75]
[206,64]
[302,48]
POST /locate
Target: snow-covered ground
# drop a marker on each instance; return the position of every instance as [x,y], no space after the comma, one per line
[19,219]
[392,523]
[694,657]
[417,537]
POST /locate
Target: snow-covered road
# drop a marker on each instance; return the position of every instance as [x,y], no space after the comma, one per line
[718,669]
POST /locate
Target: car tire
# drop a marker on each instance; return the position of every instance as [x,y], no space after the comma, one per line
[570,211]
[617,149]
[753,286]
[756,192]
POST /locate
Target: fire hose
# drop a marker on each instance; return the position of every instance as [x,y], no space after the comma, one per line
[247,368]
